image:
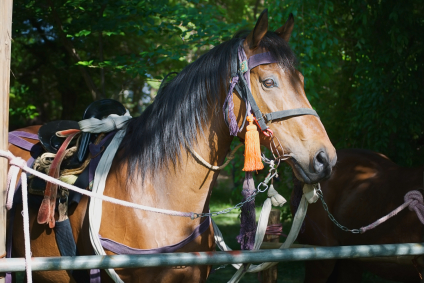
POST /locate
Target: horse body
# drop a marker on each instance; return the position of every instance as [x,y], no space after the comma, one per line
[363,187]
[155,168]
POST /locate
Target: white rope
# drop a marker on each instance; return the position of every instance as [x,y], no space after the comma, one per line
[276,199]
[25,168]
[95,206]
[260,233]
[213,167]
[15,164]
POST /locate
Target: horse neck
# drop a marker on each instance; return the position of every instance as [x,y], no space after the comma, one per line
[186,185]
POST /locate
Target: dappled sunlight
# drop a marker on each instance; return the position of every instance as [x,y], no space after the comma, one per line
[364,173]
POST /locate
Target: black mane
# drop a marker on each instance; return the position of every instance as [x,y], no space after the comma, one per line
[182,105]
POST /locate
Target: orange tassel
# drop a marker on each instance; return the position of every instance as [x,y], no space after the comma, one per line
[252,151]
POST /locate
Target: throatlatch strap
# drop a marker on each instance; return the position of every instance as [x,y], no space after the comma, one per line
[289,114]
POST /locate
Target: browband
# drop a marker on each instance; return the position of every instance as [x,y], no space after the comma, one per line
[260,59]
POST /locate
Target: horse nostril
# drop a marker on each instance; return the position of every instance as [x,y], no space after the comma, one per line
[320,161]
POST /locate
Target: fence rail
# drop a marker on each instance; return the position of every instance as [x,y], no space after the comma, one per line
[211,258]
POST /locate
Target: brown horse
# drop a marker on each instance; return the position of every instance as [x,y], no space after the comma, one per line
[363,187]
[154,166]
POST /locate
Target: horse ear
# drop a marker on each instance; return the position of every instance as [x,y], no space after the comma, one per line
[261,27]
[285,31]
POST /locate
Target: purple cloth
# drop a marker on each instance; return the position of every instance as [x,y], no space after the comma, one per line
[248,215]
[15,138]
[95,276]
[119,248]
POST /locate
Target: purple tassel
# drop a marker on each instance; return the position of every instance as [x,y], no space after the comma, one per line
[248,215]
[232,123]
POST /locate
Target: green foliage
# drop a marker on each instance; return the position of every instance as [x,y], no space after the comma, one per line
[363,66]
[60,46]
[362,60]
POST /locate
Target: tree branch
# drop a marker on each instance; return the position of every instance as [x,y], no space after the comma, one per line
[102,71]
[71,49]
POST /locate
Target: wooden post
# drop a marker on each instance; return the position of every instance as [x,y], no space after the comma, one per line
[270,275]
[5,50]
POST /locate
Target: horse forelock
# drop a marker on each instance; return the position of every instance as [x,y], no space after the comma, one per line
[184,104]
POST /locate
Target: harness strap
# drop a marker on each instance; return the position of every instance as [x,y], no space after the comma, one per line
[255,109]
[260,59]
[242,87]
[238,89]
[119,248]
[47,208]
[269,117]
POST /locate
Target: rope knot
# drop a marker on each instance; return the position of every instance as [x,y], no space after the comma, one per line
[415,198]
[18,162]
[276,198]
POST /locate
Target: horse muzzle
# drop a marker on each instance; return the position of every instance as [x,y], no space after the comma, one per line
[318,169]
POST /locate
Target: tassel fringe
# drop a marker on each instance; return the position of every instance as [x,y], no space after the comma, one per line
[252,152]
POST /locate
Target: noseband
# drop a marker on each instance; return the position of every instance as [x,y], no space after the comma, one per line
[240,72]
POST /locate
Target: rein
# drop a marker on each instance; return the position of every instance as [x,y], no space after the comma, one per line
[412,199]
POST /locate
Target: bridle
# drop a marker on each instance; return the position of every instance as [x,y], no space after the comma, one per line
[238,82]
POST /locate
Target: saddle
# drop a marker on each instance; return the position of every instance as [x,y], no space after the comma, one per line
[55,137]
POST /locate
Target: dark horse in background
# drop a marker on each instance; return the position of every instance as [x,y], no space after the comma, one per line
[154,166]
[363,187]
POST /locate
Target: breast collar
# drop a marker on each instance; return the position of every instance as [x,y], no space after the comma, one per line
[238,82]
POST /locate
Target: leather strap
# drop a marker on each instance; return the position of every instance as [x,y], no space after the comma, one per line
[242,88]
[256,111]
[285,114]
[260,59]
[48,205]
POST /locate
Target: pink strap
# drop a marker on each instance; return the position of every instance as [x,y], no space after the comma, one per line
[47,208]
[413,200]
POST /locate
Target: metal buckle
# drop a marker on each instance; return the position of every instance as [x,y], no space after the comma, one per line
[268,132]
[244,68]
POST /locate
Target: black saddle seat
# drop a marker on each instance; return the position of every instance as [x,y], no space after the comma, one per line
[98,109]
[47,134]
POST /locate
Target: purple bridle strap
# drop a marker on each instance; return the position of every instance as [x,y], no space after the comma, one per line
[252,62]
[118,248]
[260,59]
[15,138]
[232,121]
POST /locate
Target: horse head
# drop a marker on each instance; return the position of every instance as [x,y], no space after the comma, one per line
[299,136]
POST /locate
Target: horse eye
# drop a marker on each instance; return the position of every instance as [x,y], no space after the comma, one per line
[268,83]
